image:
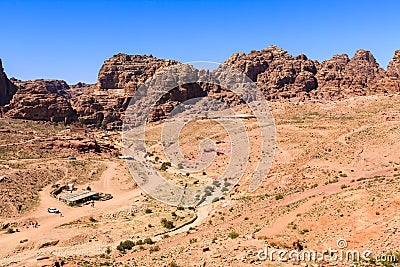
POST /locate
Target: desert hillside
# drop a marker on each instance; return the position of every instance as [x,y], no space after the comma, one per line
[68,198]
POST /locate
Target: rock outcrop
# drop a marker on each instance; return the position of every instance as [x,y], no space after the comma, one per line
[104,104]
[44,100]
[7,88]
[393,69]
[282,76]
[124,71]
[341,77]
[277,73]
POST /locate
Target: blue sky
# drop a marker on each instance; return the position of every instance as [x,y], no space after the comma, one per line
[70,39]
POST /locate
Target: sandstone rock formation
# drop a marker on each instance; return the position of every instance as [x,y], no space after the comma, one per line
[129,71]
[45,100]
[282,76]
[343,77]
[7,88]
[276,72]
[393,69]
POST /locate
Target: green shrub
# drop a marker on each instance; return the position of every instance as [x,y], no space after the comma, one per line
[302,232]
[233,235]
[154,249]
[167,224]
[127,244]
[148,241]
[165,166]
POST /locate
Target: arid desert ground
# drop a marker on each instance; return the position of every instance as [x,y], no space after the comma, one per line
[334,177]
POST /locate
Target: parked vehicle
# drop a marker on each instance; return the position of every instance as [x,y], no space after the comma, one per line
[53,210]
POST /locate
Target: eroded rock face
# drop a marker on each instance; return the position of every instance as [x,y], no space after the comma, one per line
[7,88]
[88,109]
[129,71]
[282,76]
[44,100]
[361,72]
[341,77]
[276,72]
[393,69]
[331,72]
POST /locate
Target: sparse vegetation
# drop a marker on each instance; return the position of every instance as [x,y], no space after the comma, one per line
[148,241]
[125,245]
[167,224]
[233,235]
[154,249]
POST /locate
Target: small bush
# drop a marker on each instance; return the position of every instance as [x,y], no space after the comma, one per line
[165,165]
[167,224]
[154,249]
[173,264]
[148,241]
[302,232]
[278,197]
[192,240]
[233,235]
[127,244]
[273,244]
[148,211]
[216,183]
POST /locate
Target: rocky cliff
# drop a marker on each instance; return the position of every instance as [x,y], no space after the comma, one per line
[45,100]
[282,76]
[278,74]
[124,71]
[7,88]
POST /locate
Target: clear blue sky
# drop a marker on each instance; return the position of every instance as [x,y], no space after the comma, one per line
[70,39]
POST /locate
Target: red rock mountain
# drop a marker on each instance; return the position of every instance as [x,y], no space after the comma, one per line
[278,74]
[43,100]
